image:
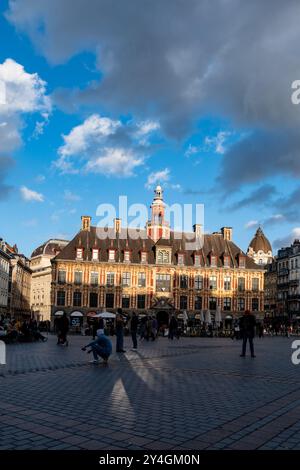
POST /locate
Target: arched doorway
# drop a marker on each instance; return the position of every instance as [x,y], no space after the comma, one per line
[162,318]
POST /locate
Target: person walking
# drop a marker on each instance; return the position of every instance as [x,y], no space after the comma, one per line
[247,325]
[63,328]
[154,328]
[133,329]
[173,325]
[120,332]
[101,347]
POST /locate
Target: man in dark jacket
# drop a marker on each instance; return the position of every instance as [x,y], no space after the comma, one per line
[120,331]
[133,328]
[247,326]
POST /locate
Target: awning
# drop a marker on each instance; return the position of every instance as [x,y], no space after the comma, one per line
[91,314]
[76,314]
[228,317]
[59,313]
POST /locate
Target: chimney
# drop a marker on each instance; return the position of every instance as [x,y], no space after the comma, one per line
[198,229]
[86,222]
[227,233]
[117,225]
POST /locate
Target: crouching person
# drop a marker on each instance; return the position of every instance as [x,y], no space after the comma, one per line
[101,347]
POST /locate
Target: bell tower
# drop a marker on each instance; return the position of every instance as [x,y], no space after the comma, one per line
[157,227]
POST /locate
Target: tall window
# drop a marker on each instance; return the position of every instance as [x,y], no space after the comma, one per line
[79,253]
[163,257]
[143,257]
[163,282]
[111,255]
[242,262]
[213,282]
[212,303]
[109,300]
[141,279]
[227,304]
[126,279]
[181,259]
[197,260]
[110,279]
[255,305]
[227,283]
[141,301]
[95,254]
[77,299]
[125,301]
[61,277]
[93,299]
[255,284]
[183,302]
[241,304]
[126,256]
[78,277]
[198,282]
[198,302]
[226,261]
[61,298]
[241,284]
[94,278]
[183,281]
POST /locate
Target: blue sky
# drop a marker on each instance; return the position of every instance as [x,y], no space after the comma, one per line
[123,138]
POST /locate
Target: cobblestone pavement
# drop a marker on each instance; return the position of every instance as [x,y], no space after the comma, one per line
[195,393]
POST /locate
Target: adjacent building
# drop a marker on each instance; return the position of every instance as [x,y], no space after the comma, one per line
[19,283]
[4,278]
[260,249]
[40,264]
[155,269]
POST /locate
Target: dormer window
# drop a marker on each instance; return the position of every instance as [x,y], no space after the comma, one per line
[213,261]
[79,253]
[226,261]
[143,257]
[197,260]
[181,259]
[95,254]
[163,257]
[242,261]
[111,255]
[126,256]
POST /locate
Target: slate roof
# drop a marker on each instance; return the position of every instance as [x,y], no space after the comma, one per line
[97,238]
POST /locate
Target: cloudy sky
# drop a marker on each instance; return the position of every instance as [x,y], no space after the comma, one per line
[105,98]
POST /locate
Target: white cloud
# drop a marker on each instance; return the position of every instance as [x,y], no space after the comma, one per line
[217,142]
[69,196]
[157,177]
[251,224]
[22,93]
[114,161]
[30,195]
[104,145]
[93,130]
[191,150]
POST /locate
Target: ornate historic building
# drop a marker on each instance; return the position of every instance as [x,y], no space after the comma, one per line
[40,264]
[19,283]
[260,249]
[4,278]
[156,271]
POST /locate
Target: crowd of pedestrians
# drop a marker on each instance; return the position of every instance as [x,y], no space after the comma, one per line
[26,330]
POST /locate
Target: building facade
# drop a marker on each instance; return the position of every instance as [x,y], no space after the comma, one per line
[260,249]
[155,271]
[19,283]
[40,264]
[271,289]
[4,278]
